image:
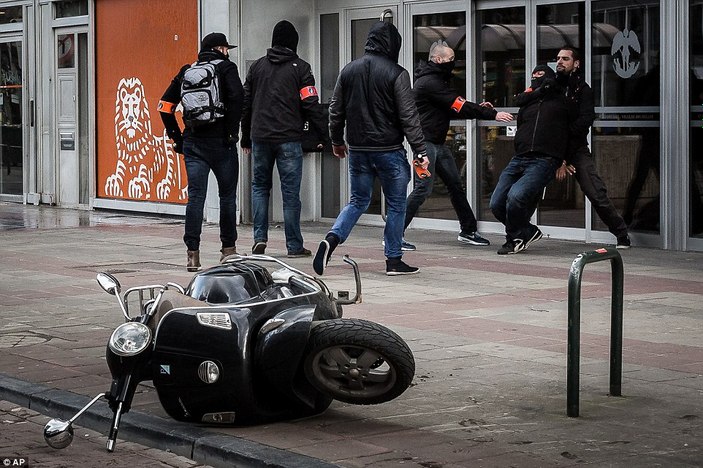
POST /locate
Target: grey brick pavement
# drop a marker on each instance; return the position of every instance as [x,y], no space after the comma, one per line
[488,334]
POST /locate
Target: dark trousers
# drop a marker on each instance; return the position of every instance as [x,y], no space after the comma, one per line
[442,165]
[594,189]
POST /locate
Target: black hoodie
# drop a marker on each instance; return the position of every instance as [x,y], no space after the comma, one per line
[438,103]
[280,95]
[373,98]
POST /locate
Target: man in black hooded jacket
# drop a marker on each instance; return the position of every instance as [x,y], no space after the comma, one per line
[438,103]
[279,97]
[541,141]
[209,146]
[373,100]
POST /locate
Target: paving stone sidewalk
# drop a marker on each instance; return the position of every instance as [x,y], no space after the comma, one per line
[488,333]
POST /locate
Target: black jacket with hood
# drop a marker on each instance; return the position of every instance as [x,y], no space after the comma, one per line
[232,97]
[545,118]
[438,103]
[374,100]
[280,95]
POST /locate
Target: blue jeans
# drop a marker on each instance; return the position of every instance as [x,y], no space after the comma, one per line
[393,170]
[442,164]
[518,192]
[288,158]
[201,156]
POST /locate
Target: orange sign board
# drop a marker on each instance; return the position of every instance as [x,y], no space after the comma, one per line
[140,46]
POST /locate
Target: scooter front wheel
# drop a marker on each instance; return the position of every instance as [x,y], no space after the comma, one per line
[357,361]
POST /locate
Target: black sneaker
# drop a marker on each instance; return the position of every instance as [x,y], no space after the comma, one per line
[259,248]
[324,252]
[302,253]
[535,237]
[512,247]
[473,238]
[623,242]
[397,267]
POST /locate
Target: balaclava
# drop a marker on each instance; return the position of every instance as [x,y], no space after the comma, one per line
[548,73]
[285,35]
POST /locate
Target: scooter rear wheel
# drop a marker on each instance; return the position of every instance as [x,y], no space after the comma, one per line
[357,361]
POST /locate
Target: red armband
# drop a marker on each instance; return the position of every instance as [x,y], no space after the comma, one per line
[307,92]
[458,104]
[166,107]
[529,90]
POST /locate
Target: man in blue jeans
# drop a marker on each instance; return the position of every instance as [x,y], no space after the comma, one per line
[279,97]
[541,142]
[438,103]
[208,145]
[373,99]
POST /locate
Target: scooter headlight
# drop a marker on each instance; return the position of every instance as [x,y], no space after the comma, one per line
[129,339]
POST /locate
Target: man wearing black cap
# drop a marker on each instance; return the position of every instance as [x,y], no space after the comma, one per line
[541,141]
[279,97]
[209,139]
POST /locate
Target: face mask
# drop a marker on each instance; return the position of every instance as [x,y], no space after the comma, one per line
[537,82]
[447,68]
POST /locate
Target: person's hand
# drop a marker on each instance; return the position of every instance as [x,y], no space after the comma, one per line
[504,117]
[486,104]
[340,151]
[246,151]
[423,160]
[564,170]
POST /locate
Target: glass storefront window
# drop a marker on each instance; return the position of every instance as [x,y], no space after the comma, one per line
[501,73]
[70,8]
[695,219]
[450,28]
[329,69]
[9,15]
[625,75]
[65,51]
[11,118]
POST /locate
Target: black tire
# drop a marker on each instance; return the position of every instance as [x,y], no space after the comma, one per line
[357,361]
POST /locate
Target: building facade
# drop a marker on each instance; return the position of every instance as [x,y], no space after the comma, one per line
[81,78]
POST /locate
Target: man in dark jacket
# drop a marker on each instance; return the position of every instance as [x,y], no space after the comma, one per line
[581,163]
[279,96]
[437,104]
[373,99]
[541,141]
[209,146]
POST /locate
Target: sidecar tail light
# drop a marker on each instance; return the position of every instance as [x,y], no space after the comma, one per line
[208,372]
[215,320]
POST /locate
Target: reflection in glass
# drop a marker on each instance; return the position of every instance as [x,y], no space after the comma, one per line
[69,8]
[501,52]
[626,74]
[65,51]
[695,221]
[557,26]
[451,28]
[11,118]
[9,15]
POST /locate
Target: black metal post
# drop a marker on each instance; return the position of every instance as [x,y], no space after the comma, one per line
[574,326]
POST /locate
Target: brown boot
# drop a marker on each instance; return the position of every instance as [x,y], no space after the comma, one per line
[193,260]
[227,251]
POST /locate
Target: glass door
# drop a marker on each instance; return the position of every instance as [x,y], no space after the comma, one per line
[11,119]
[445,21]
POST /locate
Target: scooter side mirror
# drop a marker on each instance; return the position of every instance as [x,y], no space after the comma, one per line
[58,434]
[109,283]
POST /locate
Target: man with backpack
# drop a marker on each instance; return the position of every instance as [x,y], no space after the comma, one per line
[279,97]
[211,94]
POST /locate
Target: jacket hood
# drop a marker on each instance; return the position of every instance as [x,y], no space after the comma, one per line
[384,39]
[280,54]
[285,35]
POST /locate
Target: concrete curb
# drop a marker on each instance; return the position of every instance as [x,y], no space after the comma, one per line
[182,439]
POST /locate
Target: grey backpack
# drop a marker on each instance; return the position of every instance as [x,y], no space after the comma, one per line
[201,94]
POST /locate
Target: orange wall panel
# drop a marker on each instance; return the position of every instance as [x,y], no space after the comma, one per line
[139,48]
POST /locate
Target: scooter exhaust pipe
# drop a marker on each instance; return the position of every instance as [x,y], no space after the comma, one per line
[58,434]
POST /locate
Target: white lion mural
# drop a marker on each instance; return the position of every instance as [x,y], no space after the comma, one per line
[147,167]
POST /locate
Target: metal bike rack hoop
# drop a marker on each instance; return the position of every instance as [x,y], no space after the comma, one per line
[574,328]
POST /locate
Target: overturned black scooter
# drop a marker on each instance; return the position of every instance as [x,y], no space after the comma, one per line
[242,344]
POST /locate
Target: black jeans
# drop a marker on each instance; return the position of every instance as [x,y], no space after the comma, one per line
[594,189]
[442,165]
